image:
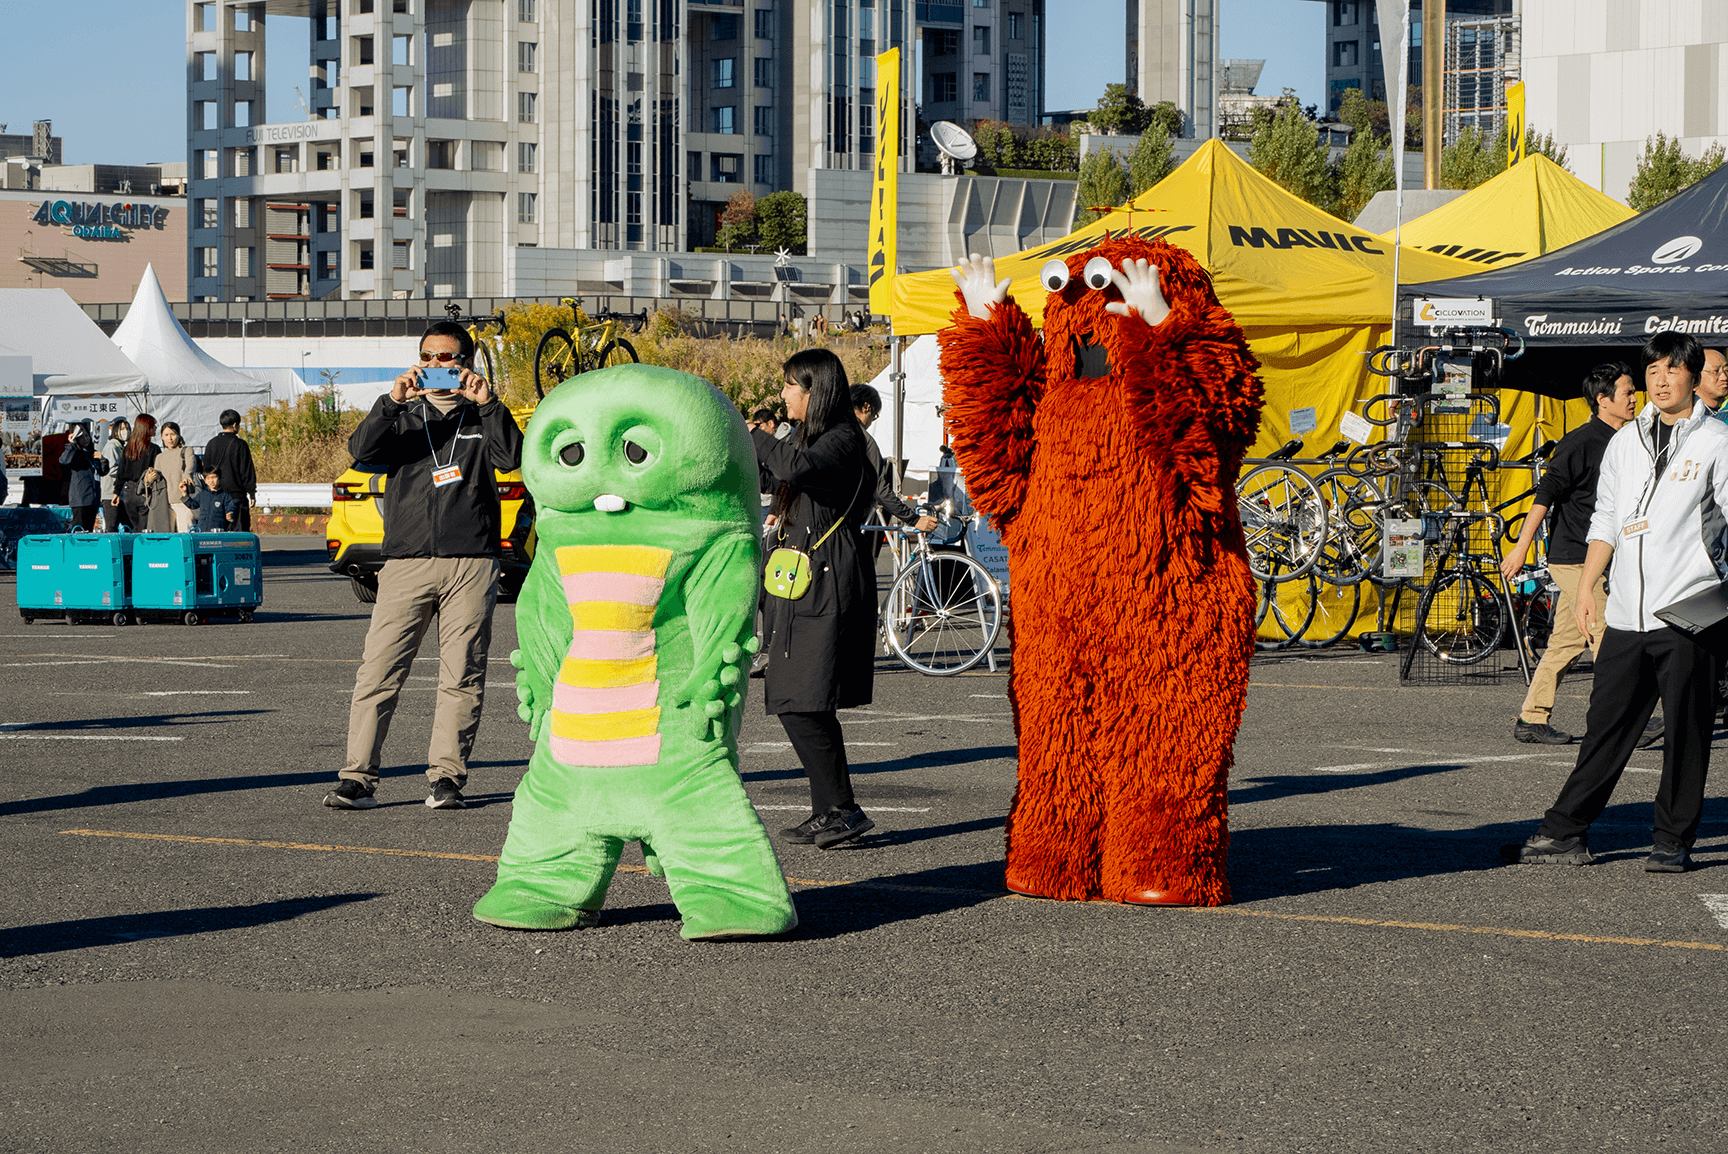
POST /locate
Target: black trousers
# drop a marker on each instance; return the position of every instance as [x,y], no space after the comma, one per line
[819,744]
[1634,671]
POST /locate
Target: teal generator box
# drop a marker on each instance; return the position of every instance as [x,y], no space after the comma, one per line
[98,578]
[42,576]
[196,577]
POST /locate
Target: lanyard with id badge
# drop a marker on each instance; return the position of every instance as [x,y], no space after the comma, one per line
[448,473]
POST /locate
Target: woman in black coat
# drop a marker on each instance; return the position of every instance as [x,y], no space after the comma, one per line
[822,647]
[134,479]
[82,466]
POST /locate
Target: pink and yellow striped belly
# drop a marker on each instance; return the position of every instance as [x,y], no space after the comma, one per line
[605,709]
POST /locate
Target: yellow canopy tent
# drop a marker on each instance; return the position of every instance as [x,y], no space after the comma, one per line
[1532,208]
[1312,292]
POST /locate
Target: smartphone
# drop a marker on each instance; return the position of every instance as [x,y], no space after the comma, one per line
[439,379]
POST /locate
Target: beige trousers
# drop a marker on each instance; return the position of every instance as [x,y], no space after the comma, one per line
[461,591]
[1565,643]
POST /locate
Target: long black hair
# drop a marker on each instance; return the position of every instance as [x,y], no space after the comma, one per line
[819,373]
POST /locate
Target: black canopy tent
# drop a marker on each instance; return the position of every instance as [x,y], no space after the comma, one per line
[1602,298]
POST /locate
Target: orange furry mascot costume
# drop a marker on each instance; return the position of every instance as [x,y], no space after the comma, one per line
[1112,483]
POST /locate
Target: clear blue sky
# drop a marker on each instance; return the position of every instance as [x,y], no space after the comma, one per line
[111,75]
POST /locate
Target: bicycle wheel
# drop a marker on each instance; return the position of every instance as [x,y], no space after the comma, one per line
[618,352]
[1290,607]
[942,614]
[1460,617]
[483,364]
[555,361]
[1336,606]
[1354,504]
[1283,521]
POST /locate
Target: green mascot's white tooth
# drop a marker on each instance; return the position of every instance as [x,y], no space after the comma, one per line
[610,503]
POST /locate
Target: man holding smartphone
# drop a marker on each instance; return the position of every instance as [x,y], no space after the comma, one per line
[437,436]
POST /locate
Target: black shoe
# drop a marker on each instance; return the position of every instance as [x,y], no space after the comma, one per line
[841,825]
[805,832]
[1540,733]
[1543,850]
[350,795]
[1652,735]
[1667,859]
[446,794]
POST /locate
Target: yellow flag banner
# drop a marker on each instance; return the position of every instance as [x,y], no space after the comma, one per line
[884,194]
[1514,123]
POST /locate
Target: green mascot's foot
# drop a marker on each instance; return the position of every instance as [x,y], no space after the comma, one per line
[715,915]
[517,904]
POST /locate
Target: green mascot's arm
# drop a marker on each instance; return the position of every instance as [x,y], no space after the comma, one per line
[543,630]
[720,603]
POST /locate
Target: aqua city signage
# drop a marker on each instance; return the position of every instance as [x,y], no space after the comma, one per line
[100,221]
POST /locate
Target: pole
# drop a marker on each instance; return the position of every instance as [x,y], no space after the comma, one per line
[897,378]
[1433,88]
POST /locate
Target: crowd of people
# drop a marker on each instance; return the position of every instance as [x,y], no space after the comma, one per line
[140,486]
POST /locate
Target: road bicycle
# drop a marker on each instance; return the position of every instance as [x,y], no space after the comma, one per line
[591,342]
[1462,614]
[477,327]
[943,610]
[1283,519]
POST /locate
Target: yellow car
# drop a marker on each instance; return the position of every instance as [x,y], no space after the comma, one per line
[355,537]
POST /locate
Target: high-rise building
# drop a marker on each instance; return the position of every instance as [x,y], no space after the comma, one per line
[1353,52]
[983,60]
[439,135]
[1173,56]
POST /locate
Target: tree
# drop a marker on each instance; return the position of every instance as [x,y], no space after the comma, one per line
[1470,160]
[1163,118]
[1286,148]
[738,221]
[782,221]
[1103,184]
[1120,112]
[1364,169]
[1153,159]
[1664,169]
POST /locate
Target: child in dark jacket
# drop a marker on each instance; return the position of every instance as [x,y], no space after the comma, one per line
[216,509]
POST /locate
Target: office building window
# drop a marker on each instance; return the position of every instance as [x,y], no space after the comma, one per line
[943,41]
[1014,29]
[980,86]
[724,72]
[525,205]
[399,251]
[722,27]
[721,120]
[944,88]
[239,162]
[764,118]
[525,11]
[242,114]
[366,256]
[725,167]
[209,214]
[207,166]
[693,165]
[242,20]
[242,64]
[207,66]
[208,262]
[208,117]
[525,52]
[980,40]
[1344,54]
[365,160]
[526,157]
[329,267]
[764,23]
[365,212]
[440,154]
[1344,13]
[980,3]
[764,72]
[206,15]
[329,158]
[399,51]
[764,166]
[242,262]
[242,212]
[287,160]
[525,102]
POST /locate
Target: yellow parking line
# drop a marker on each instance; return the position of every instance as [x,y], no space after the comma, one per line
[1432,927]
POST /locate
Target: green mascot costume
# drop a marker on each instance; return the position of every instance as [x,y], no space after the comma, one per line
[634,621]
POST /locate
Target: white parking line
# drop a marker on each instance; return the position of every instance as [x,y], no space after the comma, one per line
[1717,904]
[876,717]
[191,692]
[81,659]
[1000,695]
[873,809]
[1450,758]
[766,746]
[79,737]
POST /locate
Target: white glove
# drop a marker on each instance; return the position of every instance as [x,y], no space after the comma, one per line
[976,276]
[1138,280]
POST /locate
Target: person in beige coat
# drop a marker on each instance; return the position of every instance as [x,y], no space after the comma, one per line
[178,465]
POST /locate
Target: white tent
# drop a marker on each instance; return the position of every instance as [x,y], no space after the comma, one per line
[187,384]
[922,441]
[68,352]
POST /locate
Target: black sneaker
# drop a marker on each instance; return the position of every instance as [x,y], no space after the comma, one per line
[1540,733]
[805,832]
[1544,850]
[1652,735]
[1667,859]
[350,795]
[446,794]
[841,825]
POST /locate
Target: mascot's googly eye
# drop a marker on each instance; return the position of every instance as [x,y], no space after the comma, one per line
[1097,274]
[571,454]
[634,453]
[1054,275]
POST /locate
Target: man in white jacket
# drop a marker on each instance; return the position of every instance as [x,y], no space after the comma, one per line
[1659,515]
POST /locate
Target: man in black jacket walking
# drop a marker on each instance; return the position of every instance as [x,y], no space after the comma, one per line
[1568,488]
[438,447]
[231,457]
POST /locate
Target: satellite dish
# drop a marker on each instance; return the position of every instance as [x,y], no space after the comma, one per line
[955,144]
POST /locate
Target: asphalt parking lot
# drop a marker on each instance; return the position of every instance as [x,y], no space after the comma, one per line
[197,956]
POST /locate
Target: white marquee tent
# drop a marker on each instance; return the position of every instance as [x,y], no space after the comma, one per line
[68,352]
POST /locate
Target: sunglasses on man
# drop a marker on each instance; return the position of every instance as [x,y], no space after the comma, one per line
[441,358]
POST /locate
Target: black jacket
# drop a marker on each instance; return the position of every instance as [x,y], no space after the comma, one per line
[1568,488]
[132,469]
[408,443]
[886,494]
[81,465]
[231,457]
[822,647]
